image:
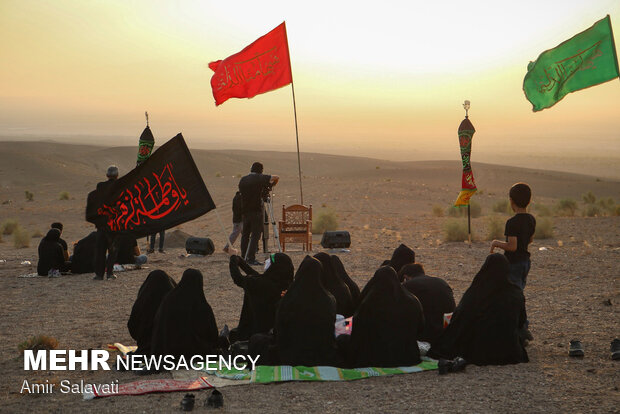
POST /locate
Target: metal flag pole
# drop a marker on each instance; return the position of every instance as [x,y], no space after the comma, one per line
[301,191]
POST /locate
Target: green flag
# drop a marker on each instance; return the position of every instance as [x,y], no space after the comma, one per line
[585,60]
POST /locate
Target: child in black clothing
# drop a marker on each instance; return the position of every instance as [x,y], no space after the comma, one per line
[519,234]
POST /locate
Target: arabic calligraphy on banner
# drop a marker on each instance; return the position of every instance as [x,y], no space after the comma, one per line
[560,71]
[237,73]
[152,198]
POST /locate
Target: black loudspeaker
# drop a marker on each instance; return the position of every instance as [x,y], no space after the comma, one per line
[336,239]
[199,245]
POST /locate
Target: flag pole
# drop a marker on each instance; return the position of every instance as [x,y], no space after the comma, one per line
[469,224]
[301,191]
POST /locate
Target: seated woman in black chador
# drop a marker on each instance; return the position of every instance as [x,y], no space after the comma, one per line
[485,326]
[344,276]
[51,255]
[402,255]
[434,294]
[332,282]
[386,325]
[305,320]
[262,293]
[82,260]
[151,293]
[184,323]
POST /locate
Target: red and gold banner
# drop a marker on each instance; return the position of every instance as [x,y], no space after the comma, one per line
[468,185]
[261,67]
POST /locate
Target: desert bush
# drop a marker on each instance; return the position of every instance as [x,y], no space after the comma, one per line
[238,175]
[617,211]
[218,174]
[495,228]
[326,220]
[544,229]
[566,207]
[476,209]
[8,226]
[542,210]
[455,230]
[453,211]
[36,233]
[21,238]
[437,211]
[607,205]
[39,342]
[502,206]
[592,210]
[29,195]
[589,198]
[64,195]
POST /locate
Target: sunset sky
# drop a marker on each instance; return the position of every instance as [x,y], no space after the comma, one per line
[383,79]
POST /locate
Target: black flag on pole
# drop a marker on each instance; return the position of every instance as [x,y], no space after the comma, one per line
[164,191]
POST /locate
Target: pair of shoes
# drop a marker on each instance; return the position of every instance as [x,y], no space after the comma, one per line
[215,400]
[149,251]
[456,365]
[255,262]
[53,273]
[576,349]
[98,278]
[111,277]
[615,349]
[161,251]
[187,403]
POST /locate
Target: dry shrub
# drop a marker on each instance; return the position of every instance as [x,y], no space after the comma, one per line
[39,342]
[617,211]
[495,229]
[589,198]
[607,205]
[326,220]
[437,211]
[21,238]
[29,195]
[8,226]
[542,210]
[502,206]
[566,207]
[544,229]
[455,231]
[592,210]
[36,233]
[218,174]
[64,195]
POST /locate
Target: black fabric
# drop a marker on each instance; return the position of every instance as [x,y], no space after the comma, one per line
[251,187]
[184,323]
[486,324]
[63,244]
[105,241]
[83,260]
[344,276]
[95,200]
[162,192]
[386,325]
[437,298]
[151,293]
[237,207]
[305,320]
[252,226]
[522,226]
[51,255]
[126,245]
[262,293]
[402,255]
[336,286]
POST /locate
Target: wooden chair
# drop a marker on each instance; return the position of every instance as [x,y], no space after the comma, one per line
[296,226]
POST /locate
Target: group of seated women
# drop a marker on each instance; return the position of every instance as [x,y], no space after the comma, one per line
[288,317]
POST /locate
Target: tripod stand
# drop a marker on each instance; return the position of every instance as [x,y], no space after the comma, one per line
[268,207]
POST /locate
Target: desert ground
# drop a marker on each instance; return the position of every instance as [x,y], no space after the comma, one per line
[573,289]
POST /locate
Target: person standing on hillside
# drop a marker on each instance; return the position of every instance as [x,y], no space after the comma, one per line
[253,187]
[105,238]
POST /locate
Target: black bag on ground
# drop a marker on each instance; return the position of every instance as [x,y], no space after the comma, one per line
[336,239]
[199,245]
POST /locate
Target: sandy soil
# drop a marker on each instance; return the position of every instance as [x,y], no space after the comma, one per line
[569,291]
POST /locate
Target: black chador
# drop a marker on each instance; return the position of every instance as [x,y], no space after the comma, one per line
[184,324]
[336,286]
[151,293]
[486,323]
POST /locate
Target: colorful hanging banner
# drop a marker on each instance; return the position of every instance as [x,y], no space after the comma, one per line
[468,185]
[145,145]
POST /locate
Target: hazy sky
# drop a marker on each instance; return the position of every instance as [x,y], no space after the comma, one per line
[381,78]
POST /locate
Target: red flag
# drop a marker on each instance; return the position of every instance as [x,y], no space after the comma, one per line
[261,67]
